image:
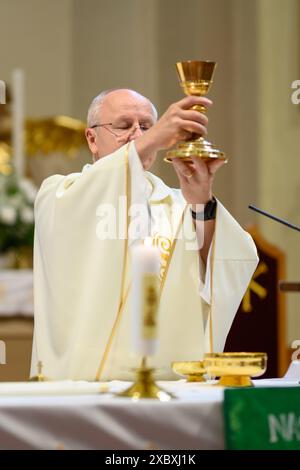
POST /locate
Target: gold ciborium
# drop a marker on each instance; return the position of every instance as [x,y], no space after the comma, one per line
[235,369]
[196,78]
[192,370]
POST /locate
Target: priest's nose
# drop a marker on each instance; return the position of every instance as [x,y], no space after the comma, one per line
[136,132]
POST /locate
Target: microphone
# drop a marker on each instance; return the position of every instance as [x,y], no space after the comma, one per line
[293,372]
[273,217]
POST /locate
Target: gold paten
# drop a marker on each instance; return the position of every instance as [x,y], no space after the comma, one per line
[192,370]
[196,78]
[145,386]
[235,369]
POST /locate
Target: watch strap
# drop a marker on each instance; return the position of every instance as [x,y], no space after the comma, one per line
[209,212]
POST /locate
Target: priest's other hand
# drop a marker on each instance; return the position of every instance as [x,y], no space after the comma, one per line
[196,178]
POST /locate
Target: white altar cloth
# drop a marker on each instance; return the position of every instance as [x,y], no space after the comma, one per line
[79,415]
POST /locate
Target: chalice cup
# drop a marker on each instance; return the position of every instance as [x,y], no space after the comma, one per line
[196,78]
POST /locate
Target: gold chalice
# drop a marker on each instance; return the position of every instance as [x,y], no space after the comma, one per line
[192,370]
[195,79]
[235,369]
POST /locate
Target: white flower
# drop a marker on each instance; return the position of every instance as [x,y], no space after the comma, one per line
[2,183]
[27,215]
[8,214]
[29,189]
[16,201]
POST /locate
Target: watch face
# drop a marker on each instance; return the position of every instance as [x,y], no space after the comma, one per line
[209,212]
[210,209]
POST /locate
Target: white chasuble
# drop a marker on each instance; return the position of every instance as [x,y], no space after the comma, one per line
[82,272]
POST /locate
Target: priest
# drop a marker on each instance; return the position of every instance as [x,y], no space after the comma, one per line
[87,224]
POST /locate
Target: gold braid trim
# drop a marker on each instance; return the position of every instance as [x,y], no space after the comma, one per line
[123,297]
[211,339]
[163,281]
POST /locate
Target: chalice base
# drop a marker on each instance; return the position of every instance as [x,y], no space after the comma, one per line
[200,148]
[235,381]
[145,387]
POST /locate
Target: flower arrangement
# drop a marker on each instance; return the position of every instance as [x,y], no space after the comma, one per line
[17,197]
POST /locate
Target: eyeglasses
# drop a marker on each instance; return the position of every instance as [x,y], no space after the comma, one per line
[122,131]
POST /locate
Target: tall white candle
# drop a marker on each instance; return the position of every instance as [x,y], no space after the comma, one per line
[18,120]
[144,298]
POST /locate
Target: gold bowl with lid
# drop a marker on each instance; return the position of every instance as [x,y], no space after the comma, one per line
[235,369]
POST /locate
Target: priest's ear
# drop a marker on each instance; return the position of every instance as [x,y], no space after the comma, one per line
[91,138]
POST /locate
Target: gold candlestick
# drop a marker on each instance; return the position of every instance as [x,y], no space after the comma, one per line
[145,386]
[40,376]
[195,78]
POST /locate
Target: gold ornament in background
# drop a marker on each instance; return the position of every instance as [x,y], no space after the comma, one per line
[255,287]
[5,159]
[5,137]
[196,78]
[42,137]
[57,134]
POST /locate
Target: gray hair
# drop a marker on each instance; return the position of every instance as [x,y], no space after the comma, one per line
[98,100]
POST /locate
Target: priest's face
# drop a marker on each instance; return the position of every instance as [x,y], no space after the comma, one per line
[122,116]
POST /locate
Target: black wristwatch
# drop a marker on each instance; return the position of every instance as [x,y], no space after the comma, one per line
[209,212]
